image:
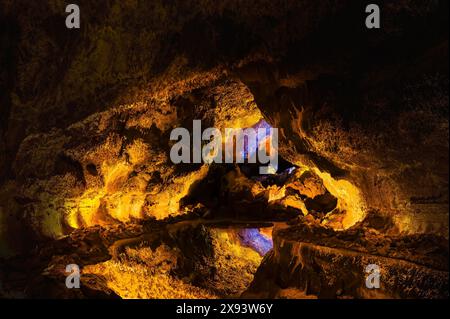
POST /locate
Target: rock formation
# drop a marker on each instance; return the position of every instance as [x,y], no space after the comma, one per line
[86,178]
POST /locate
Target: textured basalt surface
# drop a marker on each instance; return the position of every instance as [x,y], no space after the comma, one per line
[312,261]
[85,120]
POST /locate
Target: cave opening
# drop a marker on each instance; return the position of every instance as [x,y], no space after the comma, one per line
[194,230]
[221,223]
[241,209]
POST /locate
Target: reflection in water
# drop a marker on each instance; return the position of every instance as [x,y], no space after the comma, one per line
[253,238]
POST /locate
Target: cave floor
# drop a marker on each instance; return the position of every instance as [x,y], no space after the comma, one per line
[256,237]
[197,258]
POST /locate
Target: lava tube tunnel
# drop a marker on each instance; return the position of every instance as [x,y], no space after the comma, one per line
[223,150]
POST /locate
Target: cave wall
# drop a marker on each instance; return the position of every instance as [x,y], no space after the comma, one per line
[85,114]
[369,107]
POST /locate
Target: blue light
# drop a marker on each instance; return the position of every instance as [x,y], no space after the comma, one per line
[290,170]
[251,237]
[251,147]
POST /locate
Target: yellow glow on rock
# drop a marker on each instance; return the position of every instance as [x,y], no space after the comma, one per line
[123,198]
[349,198]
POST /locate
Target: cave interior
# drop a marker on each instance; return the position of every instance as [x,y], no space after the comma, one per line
[86,176]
